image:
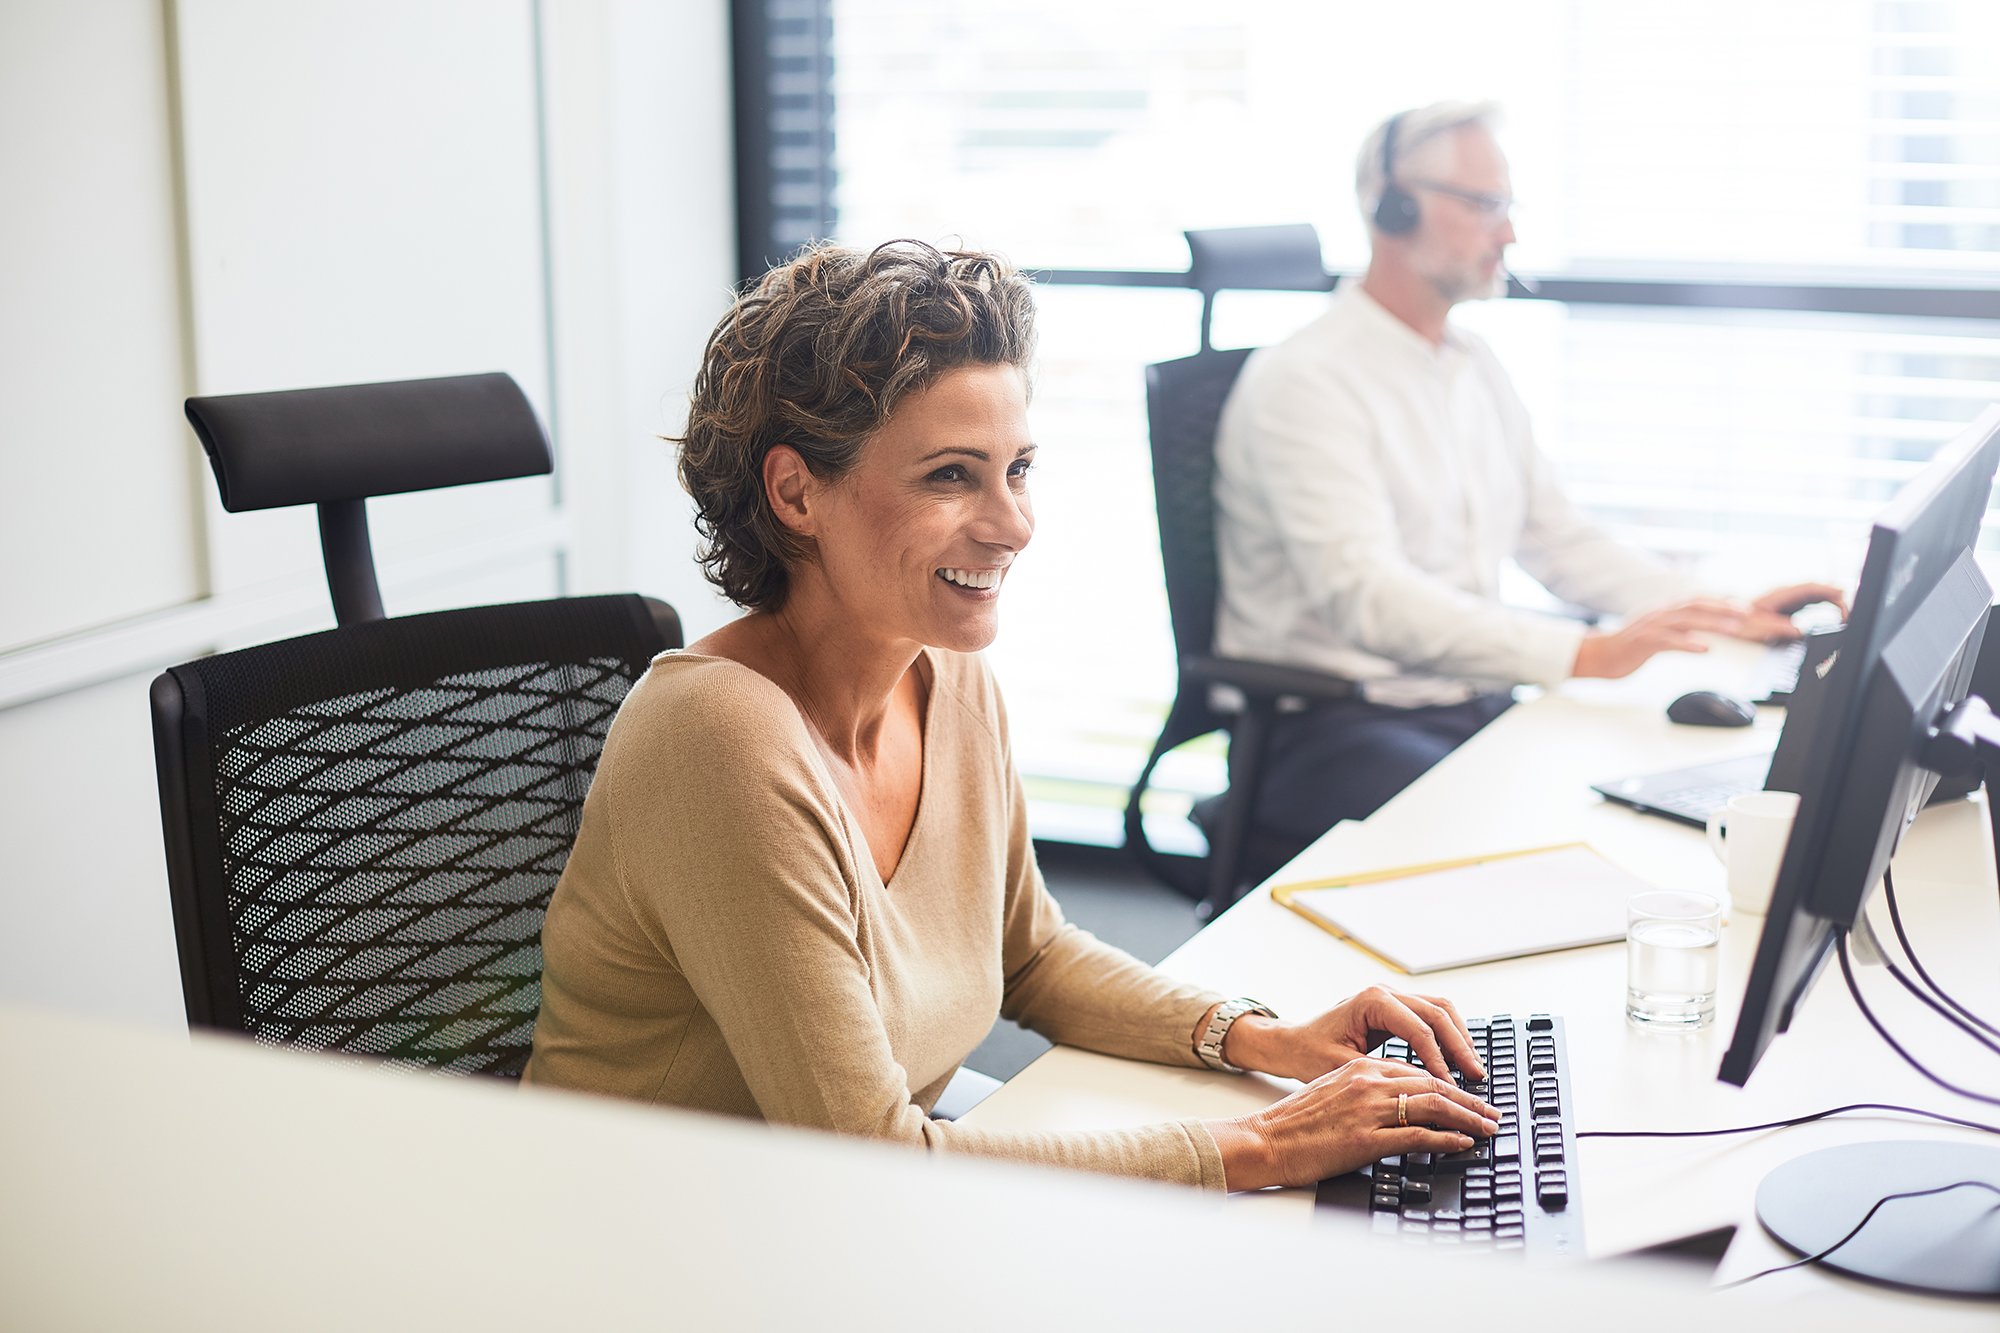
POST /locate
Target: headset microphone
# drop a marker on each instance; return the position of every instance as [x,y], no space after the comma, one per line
[1528,285]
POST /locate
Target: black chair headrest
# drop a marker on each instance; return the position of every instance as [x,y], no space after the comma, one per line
[313,446]
[1283,258]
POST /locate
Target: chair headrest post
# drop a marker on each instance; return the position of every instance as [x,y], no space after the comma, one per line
[350,561]
[1281,258]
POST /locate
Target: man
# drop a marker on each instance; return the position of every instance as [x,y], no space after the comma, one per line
[1373,472]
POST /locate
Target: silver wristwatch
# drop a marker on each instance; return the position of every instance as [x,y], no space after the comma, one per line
[1209,1048]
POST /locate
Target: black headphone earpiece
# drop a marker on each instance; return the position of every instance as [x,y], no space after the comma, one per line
[1396,208]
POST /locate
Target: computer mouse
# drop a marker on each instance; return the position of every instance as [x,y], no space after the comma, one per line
[1706,708]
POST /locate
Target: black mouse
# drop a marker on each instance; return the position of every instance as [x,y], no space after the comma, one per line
[1706,708]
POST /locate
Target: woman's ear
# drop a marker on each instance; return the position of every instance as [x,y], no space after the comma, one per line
[789,488]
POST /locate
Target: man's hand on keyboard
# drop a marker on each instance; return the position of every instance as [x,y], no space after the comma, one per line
[1353,1028]
[1611,654]
[1784,603]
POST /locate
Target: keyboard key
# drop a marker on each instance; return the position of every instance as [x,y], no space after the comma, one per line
[1552,1191]
[1506,1148]
[1452,1163]
[1540,1023]
[1416,1192]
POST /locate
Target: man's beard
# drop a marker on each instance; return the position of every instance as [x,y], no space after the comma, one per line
[1469,286]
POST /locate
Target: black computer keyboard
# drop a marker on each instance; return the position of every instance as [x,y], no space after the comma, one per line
[1777,675]
[1514,1191]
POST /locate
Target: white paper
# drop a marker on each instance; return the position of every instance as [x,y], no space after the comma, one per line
[1475,914]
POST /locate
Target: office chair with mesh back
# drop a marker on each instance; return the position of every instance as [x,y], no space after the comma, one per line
[1243,698]
[363,826]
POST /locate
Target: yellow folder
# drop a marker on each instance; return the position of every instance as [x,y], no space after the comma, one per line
[1474,909]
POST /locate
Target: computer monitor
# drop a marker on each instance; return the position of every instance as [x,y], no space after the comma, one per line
[1906,656]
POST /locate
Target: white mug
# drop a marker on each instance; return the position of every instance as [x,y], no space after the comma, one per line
[1748,835]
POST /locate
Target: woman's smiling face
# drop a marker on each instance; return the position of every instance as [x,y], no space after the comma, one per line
[914,542]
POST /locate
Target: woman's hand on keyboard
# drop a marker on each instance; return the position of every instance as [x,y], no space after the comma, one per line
[1347,1118]
[1350,1030]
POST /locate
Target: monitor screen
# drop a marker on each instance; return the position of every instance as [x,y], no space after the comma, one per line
[1908,650]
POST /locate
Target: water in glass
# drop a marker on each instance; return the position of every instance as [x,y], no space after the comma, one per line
[1673,956]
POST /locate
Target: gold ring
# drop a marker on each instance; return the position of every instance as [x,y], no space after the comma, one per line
[1402,1110]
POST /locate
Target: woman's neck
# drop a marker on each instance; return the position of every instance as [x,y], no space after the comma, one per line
[844,684]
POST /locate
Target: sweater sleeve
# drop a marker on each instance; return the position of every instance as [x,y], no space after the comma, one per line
[734,856]
[1073,988]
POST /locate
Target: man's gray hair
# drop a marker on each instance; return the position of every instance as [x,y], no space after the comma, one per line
[1416,128]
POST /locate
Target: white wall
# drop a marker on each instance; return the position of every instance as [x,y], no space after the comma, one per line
[218,196]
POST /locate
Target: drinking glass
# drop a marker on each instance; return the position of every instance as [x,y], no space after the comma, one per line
[1673,953]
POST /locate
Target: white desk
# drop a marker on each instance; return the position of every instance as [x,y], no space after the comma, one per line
[1522,782]
[152,1181]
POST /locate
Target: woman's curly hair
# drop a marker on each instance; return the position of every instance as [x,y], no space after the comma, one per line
[816,355]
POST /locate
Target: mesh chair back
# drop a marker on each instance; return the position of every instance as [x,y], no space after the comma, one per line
[373,819]
[1183,405]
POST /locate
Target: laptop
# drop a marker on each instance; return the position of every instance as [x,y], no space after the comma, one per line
[1692,794]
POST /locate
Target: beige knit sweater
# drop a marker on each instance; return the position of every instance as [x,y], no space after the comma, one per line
[721,941]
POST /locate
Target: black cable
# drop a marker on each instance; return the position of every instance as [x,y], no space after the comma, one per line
[1896,920]
[1903,979]
[1784,1124]
[1866,1218]
[1847,971]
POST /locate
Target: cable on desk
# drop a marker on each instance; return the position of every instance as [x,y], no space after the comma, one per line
[1902,979]
[1896,920]
[1847,972]
[1785,1124]
[1866,1218]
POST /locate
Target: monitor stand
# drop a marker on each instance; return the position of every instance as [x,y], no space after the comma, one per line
[1947,1243]
[1964,742]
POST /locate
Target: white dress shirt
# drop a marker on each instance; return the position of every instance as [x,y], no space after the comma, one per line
[1369,486]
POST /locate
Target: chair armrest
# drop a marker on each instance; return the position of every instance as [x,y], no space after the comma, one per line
[1267,680]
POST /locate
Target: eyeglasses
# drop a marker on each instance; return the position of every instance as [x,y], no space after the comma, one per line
[1489,207]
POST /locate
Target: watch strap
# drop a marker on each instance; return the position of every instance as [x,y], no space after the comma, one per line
[1209,1048]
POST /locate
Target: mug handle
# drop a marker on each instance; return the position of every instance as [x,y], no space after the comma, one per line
[1716,834]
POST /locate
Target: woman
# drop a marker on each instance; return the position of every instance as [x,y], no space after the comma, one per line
[804,885]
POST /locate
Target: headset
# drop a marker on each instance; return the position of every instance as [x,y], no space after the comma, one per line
[1396,208]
